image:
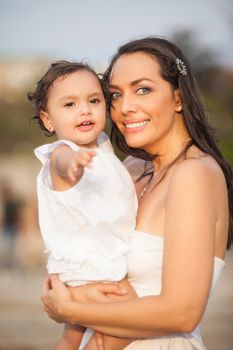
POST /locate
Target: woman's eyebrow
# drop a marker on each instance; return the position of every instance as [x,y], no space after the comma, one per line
[137,81]
[133,83]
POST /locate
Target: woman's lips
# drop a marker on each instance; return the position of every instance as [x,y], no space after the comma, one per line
[133,126]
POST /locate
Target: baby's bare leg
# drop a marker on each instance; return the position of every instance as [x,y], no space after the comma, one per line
[71,338]
[110,343]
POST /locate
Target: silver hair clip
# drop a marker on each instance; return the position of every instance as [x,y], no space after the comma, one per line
[181,67]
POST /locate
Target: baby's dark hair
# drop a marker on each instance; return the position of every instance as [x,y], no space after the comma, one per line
[58,69]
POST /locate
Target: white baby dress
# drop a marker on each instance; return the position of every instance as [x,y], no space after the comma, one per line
[86,229]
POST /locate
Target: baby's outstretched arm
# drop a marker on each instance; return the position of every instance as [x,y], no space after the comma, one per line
[67,166]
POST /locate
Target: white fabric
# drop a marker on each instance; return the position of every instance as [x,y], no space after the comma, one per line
[144,273]
[86,229]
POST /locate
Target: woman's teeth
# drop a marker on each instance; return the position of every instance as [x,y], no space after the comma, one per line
[136,125]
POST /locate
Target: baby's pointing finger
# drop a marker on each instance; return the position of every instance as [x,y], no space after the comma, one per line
[72,175]
[86,154]
[85,162]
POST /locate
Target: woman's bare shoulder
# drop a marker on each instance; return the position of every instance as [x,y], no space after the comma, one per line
[202,170]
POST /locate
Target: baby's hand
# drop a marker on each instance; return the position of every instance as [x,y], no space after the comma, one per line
[80,160]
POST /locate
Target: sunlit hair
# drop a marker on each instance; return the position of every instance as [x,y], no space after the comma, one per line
[56,70]
[195,117]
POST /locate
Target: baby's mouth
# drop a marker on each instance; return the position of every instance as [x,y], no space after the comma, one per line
[85,123]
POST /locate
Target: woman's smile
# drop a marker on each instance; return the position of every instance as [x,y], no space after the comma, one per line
[135,125]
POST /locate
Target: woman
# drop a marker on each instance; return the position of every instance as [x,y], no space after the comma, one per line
[184,221]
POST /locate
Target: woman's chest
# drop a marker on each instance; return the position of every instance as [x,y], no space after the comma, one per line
[152,209]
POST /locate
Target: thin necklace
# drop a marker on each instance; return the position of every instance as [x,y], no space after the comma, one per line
[143,191]
[145,188]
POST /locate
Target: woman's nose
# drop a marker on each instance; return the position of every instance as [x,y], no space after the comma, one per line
[128,105]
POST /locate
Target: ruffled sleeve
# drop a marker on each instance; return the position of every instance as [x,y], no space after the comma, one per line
[43,152]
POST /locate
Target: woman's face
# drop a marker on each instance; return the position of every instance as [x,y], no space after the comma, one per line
[144,105]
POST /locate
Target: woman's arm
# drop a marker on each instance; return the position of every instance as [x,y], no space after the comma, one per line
[191,215]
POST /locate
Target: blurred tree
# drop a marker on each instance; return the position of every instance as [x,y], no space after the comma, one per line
[199,57]
[17,132]
[214,79]
[216,83]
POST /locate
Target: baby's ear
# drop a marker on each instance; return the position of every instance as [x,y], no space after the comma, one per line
[44,116]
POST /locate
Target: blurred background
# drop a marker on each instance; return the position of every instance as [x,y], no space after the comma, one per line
[32,35]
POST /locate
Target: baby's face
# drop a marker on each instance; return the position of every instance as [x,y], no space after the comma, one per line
[76,108]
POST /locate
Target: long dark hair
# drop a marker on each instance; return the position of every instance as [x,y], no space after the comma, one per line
[195,116]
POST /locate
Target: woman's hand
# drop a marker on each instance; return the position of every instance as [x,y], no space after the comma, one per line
[99,292]
[55,295]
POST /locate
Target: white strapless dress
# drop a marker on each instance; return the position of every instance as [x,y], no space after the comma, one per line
[144,274]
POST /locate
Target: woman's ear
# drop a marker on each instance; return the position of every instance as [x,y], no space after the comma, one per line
[44,116]
[178,102]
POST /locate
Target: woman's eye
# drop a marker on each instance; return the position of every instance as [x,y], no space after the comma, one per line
[69,104]
[114,95]
[143,90]
[95,100]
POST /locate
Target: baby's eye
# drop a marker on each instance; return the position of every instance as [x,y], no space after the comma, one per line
[143,90]
[95,100]
[114,95]
[69,104]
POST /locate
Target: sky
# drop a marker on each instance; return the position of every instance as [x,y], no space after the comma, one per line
[93,29]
